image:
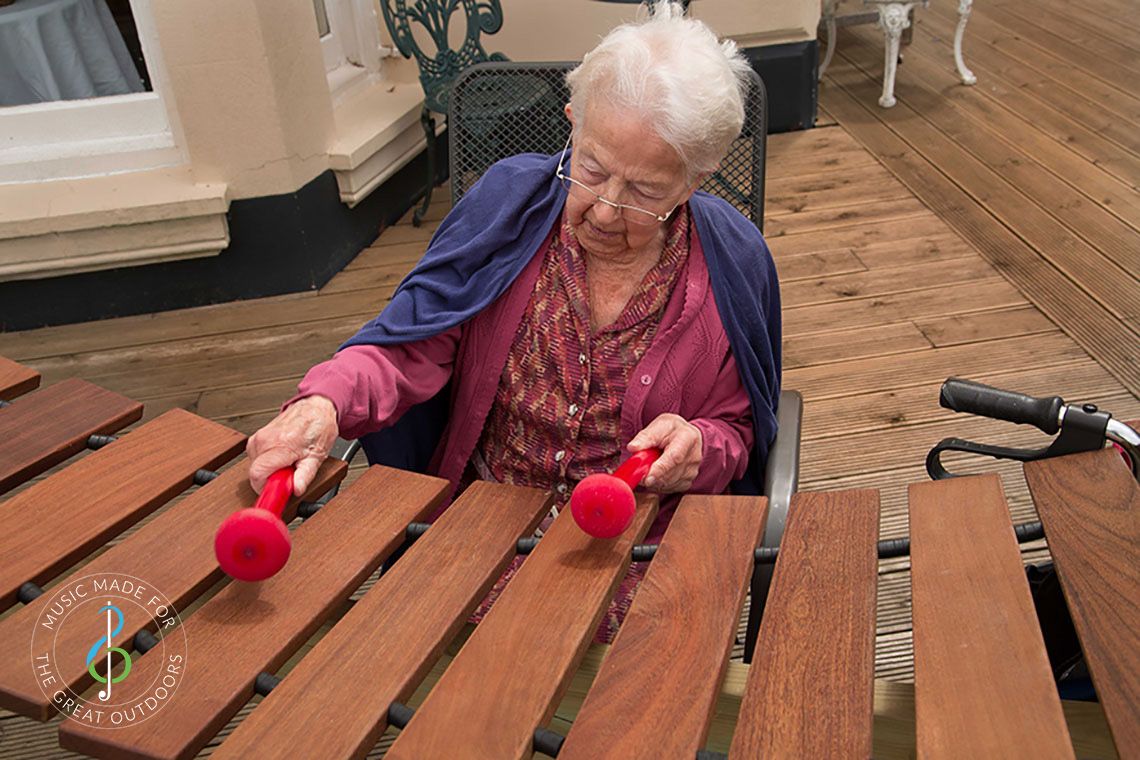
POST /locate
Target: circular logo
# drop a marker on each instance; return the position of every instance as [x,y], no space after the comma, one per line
[88,624]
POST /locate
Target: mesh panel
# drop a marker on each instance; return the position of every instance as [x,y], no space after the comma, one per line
[499,109]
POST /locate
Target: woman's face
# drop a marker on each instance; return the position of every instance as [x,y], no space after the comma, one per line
[621,159]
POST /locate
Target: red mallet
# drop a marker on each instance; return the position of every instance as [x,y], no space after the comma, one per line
[253,543]
[602,504]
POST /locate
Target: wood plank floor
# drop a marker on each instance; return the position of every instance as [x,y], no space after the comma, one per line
[1036,166]
[987,232]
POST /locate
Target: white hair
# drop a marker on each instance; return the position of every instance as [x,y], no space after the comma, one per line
[674,72]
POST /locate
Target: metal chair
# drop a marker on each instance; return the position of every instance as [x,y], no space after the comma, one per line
[500,109]
[439,68]
[476,142]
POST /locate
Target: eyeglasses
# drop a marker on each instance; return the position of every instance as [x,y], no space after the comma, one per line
[631,214]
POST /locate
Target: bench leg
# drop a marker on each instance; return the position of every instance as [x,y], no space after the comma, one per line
[964,7]
[893,18]
[829,22]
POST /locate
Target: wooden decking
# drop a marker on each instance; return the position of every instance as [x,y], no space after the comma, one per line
[1036,166]
[987,232]
[1036,169]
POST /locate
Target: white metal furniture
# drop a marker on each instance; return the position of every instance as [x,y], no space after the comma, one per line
[894,18]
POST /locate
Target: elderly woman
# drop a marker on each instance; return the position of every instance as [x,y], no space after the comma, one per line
[574,308]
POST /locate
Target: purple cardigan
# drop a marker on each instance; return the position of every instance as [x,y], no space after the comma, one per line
[688,370]
[471,287]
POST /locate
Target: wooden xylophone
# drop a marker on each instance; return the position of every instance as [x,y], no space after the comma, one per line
[984,687]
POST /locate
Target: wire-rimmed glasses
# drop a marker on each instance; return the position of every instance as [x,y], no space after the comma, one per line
[632,214]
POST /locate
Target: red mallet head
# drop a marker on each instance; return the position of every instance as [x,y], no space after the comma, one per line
[603,505]
[253,544]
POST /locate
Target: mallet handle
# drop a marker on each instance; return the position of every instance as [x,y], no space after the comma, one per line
[277,492]
[637,466]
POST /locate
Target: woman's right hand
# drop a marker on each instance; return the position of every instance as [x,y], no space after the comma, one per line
[301,436]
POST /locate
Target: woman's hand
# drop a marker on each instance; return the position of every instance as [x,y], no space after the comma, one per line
[681,444]
[302,435]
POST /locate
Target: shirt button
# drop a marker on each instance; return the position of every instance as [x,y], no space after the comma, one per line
[573,409]
[581,358]
[559,455]
[560,488]
[646,379]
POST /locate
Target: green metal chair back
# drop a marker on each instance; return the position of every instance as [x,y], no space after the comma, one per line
[440,66]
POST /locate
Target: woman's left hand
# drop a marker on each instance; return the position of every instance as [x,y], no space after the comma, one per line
[681,444]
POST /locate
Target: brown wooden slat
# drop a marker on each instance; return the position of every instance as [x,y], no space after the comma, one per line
[864,184]
[842,216]
[16,379]
[984,326]
[836,160]
[983,295]
[910,250]
[1090,506]
[249,628]
[817,143]
[657,688]
[44,428]
[821,264]
[860,236]
[845,345]
[381,650]
[509,676]
[173,554]
[61,519]
[381,254]
[886,281]
[387,277]
[810,690]
[982,678]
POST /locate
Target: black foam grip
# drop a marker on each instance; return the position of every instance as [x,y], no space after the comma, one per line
[975,398]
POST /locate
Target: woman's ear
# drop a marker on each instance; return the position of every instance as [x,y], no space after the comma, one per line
[570,115]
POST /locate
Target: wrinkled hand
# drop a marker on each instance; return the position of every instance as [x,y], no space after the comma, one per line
[302,435]
[681,444]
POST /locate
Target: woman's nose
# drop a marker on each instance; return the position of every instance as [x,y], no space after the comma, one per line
[605,212]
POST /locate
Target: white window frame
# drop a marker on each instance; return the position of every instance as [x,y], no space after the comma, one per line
[77,138]
[352,49]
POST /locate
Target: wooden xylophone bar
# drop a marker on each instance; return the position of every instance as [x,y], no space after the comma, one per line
[808,693]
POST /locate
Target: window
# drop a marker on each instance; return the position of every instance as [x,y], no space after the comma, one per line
[350,42]
[81,85]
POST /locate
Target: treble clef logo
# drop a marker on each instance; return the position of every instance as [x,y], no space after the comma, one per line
[105,694]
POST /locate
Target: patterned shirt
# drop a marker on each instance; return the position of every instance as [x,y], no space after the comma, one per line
[557,412]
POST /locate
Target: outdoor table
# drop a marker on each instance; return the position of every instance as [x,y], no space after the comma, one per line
[983,682]
[62,50]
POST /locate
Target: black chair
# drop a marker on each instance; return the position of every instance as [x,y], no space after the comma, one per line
[476,142]
[500,109]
